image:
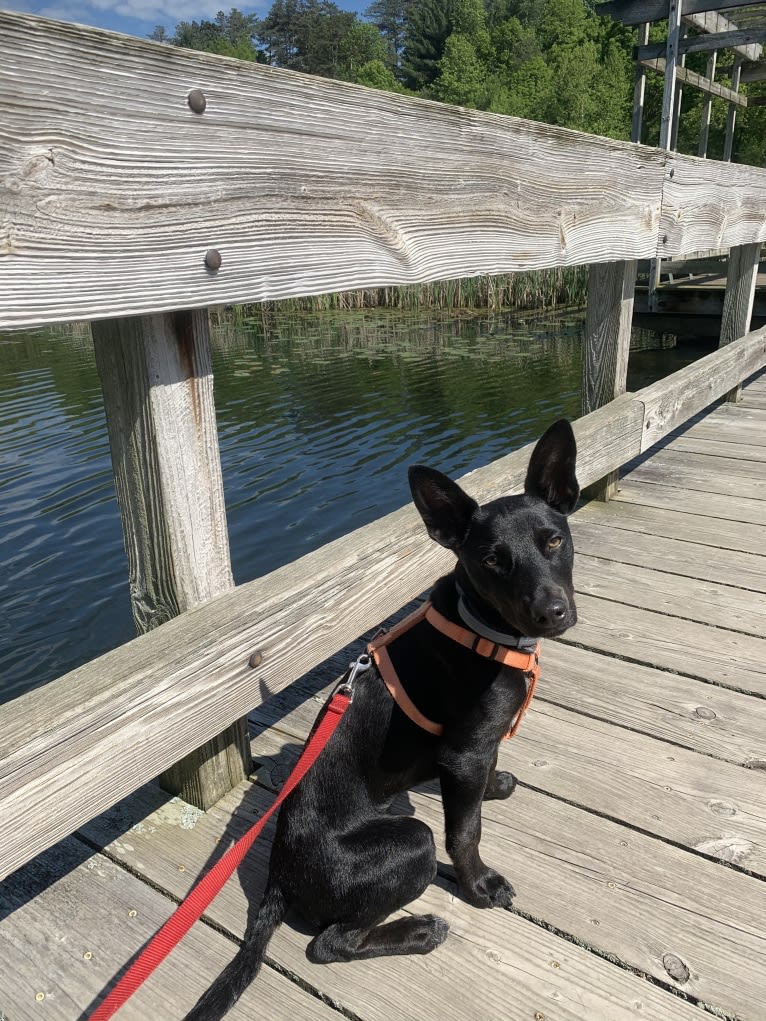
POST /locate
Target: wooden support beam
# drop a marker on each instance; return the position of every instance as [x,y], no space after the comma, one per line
[707,108]
[753,72]
[705,43]
[158,396]
[670,51]
[738,302]
[675,11]
[731,117]
[699,81]
[608,321]
[714,23]
[636,12]
[678,102]
[639,89]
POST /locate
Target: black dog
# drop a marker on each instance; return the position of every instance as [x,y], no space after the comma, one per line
[338,856]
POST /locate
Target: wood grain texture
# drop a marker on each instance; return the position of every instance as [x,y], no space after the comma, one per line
[686,544]
[755,72]
[606,345]
[727,513]
[723,475]
[157,379]
[87,919]
[722,605]
[719,656]
[744,261]
[524,837]
[114,189]
[673,400]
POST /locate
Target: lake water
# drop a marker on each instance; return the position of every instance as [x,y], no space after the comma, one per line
[318,418]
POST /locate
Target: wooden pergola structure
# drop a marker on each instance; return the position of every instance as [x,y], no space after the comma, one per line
[696,26]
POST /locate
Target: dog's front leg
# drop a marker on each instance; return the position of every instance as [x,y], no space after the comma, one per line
[463,785]
[499,784]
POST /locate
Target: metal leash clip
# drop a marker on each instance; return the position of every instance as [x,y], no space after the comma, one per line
[360,666]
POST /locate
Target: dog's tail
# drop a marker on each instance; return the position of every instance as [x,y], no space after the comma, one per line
[240,972]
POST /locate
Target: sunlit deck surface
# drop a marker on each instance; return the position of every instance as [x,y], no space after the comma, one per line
[636,838]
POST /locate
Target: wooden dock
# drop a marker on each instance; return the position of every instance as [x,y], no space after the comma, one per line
[636,839]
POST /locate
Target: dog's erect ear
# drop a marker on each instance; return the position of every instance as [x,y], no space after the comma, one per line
[444,507]
[551,473]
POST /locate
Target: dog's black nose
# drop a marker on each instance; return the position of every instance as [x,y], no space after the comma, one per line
[549,614]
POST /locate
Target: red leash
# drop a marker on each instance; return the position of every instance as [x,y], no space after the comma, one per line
[187,913]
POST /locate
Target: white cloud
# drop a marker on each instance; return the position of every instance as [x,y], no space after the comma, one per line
[107,13]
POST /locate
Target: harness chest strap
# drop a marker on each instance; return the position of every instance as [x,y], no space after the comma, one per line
[527,662]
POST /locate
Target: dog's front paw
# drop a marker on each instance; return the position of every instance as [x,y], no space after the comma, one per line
[501,785]
[490,890]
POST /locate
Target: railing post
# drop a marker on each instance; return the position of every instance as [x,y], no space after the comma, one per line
[157,381]
[741,278]
[608,320]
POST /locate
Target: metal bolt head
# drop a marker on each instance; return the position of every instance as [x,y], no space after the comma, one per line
[255,660]
[213,259]
[196,100]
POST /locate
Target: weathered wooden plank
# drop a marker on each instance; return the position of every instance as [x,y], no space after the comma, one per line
[725,475]
[157,379]
[704,718]
[72,918]
[606,345]
[295,183]
[639,90]
[713,22]
[740,37]
[525,837]
[635,12]
[699,210]
[686,544]
[275,175]
[719,656]
[668,404]
[731,116]
[755,72]
[670,51]
[722,605]
[732,511]
[741,278]
[694,444]
[704,83]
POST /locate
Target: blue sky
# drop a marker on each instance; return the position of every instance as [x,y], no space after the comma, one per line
[138,17]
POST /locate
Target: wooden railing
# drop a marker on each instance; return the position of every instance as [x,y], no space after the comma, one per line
[137,180]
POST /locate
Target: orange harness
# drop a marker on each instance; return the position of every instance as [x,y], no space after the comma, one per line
[527,662]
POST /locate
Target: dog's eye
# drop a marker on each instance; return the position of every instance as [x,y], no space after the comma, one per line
[490,561]
[554,543]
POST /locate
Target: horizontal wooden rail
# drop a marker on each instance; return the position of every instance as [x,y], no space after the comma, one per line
[139,178]
[73,748]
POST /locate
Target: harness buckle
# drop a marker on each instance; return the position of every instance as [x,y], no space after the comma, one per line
[359,666]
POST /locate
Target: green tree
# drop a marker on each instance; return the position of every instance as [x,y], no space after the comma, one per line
[462,73]
[305,35]
[362,45]
[230,35]
[429,25]
[390,19]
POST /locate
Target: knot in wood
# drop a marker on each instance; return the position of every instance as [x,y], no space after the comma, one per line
[676,968]
[704,713]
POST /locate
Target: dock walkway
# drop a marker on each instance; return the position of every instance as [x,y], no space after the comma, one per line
[636,839]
